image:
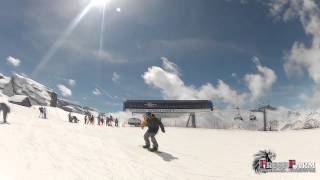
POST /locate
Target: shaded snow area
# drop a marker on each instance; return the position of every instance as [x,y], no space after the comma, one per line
[54,149]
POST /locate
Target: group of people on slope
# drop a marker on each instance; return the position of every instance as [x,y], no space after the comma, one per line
[108,120]
[89,119]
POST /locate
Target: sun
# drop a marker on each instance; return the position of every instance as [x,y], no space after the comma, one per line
[99,3]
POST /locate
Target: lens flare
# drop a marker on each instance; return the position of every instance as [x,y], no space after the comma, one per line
[102,30]
[54,48]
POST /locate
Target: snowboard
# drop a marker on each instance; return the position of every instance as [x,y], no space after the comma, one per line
[148,149]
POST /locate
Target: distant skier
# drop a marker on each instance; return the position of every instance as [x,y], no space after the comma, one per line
[153,124]
[91,119]
[70,117]
[5,110]
[86,119]
[44,112]
[100,119]
[110,119]
[116,122]
[41,112]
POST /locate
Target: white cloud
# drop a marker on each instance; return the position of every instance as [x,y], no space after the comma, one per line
[64,90]
[302,57]
[72,82]
[234,75]
[118,9]
[261,82]
[170,66]
[256,60]
[115,77]
[168,81]
[13,61]
[96,92]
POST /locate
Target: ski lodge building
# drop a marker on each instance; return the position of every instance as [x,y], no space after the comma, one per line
[169,108]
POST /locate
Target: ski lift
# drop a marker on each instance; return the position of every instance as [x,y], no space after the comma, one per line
[238,115]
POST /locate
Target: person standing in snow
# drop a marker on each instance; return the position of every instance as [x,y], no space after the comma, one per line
[116,122]
[111,120]
[41,112]
[85,119]
[91,119]
[70,117]
[44,112]
[153,123]
[107,121]
[5,110]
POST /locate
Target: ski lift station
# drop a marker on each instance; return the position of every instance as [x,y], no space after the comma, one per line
[169,108]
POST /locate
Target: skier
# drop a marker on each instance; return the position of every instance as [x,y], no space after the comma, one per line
[111,120]
[116,122]
[100,119]
[44,112]
[153,124]
[70,117]
[41,112]
[5,110]
[86,117]
[91,119]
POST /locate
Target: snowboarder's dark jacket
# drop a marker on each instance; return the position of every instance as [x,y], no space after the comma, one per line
[153,124]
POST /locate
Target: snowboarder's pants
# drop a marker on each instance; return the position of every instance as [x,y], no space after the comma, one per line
[148,135]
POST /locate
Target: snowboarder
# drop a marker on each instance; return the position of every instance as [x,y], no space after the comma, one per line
[153,124]
[5,110]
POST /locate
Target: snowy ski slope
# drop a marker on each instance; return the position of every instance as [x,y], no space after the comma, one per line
[53,149]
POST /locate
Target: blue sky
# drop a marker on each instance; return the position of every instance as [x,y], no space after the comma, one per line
[197,42]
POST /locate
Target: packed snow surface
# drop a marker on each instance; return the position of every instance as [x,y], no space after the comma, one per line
[54,149]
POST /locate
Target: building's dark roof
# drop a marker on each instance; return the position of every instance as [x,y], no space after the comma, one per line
[167,104]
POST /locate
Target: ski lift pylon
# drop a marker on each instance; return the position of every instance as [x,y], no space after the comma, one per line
[238,115]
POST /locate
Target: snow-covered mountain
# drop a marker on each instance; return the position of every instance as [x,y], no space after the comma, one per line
[4,80]
[37,93]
